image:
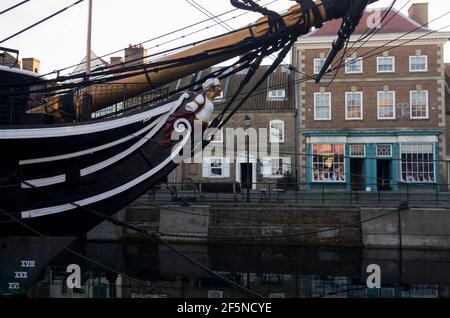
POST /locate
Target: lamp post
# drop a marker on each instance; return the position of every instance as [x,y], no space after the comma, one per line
[248,123]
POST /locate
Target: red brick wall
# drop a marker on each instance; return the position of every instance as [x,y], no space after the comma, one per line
[370,120]
[370,82]
[401,55]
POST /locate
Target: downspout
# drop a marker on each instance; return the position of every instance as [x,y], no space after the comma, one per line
[296,60]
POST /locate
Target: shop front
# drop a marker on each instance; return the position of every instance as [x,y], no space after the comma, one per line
[372,161]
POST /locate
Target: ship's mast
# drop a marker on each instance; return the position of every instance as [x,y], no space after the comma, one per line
[89,37]
[328,10]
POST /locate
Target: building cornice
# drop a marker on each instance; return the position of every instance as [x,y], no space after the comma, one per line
[367,133]
[356,81]
[376,40]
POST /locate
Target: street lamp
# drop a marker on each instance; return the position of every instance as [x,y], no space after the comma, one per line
[248,123]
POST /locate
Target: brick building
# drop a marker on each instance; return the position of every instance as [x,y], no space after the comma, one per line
[447,112]
[381,124]
[31,64]
[272,109]
[7,59]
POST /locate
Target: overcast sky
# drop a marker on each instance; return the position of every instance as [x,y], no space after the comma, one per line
[61,41]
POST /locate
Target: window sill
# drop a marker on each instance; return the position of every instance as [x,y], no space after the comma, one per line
[418,182]
[328,182]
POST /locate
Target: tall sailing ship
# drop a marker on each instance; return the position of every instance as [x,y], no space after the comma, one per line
[63,168]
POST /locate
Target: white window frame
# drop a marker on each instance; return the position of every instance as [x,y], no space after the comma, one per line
[273,94]
[342,164]
[418,71]
[225,167]
[385,57]
[352,155]
[315,61]
[383,156]
[348,62]
[329,106]
[393,105]
[411,105]
[417,163]
[267,167]
[272,138]
[362,106]
[210,168]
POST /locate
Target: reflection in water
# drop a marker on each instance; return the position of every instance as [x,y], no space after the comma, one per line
[273,271]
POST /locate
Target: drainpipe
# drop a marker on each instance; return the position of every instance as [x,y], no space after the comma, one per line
[295,54]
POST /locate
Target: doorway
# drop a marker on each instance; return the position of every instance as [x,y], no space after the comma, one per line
[246,175]
[384,175]
[357,173]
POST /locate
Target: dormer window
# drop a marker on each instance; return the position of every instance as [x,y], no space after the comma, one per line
[277,94]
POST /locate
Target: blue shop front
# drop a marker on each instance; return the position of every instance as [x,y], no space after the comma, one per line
[372,160]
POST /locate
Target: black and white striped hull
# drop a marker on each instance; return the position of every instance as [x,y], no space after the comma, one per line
[51,177]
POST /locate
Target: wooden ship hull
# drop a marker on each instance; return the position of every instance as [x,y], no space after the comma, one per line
[57,175]
[62,179]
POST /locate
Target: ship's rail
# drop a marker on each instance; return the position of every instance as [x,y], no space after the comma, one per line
[13,108]
[129,104]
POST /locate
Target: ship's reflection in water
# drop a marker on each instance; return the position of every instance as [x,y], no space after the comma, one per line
[149,270]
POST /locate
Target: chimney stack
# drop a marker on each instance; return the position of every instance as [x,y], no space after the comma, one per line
[135,55]
[419,13]
[31,64]
[116,60]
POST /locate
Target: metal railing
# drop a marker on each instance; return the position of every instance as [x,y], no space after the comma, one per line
[129,104]
[293,193]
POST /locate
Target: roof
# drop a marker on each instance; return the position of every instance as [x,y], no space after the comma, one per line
[18,71]
[96,62]
[259,101]
[280,79]
[395,22]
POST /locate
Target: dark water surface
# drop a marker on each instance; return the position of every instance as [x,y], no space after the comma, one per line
[36,268]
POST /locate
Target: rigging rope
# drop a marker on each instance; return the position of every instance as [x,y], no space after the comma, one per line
[59,79]
[41,21]
[219,122]
[276,22]
[14,6]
